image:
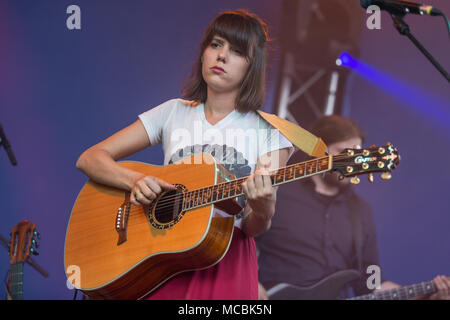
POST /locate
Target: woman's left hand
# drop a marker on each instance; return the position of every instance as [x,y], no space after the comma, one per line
[260,194]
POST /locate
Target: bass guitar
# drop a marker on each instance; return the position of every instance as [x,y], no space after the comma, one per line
[124,251]
[331,287]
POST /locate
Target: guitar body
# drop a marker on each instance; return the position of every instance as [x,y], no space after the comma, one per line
[328,288]
[119,250]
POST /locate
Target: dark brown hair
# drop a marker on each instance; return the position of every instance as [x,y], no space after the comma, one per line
[335,128]
[248,33]
[331,129]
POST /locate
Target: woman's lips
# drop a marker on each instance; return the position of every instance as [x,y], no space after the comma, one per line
[217,70]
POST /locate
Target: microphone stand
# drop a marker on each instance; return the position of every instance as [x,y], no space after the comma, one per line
[403,28]
[7,146]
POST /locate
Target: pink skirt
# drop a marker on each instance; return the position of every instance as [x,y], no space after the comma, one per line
[235,277]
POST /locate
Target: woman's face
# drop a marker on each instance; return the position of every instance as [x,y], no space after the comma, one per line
[223,66]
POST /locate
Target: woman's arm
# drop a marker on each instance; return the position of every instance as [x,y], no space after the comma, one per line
[99,164]
[260,194]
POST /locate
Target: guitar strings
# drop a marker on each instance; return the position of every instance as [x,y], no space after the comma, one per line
[171,198]
[272,174]
[220,187]
[276,171]
[167,202]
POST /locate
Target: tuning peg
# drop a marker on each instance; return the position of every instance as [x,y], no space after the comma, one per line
[386,176]
[35,243]
[37,234]
[355,180]
[33,251]
[371,177]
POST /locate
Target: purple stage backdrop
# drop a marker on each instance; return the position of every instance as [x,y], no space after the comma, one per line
[63,90]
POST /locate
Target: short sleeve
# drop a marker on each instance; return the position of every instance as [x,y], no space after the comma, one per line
[272,140]
[155,119]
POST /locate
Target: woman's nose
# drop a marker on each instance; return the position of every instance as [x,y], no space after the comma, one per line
[221,55]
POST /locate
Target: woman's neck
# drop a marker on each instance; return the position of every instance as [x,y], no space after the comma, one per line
[220,104]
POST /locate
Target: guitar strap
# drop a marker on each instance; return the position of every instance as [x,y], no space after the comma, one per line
[301,138]
[355,217]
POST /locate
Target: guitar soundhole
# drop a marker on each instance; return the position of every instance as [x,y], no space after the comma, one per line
[168,208]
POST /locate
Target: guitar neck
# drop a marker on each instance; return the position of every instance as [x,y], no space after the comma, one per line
[16,281]
[231,189]
[403,293]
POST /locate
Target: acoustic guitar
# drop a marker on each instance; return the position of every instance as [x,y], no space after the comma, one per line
[124,251]
[330,287]
[23,242]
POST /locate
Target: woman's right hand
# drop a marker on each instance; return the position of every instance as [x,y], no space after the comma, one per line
[147,188]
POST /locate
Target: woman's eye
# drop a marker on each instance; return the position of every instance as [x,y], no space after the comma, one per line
[214,44]
[237,51]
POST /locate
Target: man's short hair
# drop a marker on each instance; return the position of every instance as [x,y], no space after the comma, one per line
[331,129]
[336,128]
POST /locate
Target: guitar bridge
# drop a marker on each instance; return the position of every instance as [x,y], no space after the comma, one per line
[122,219]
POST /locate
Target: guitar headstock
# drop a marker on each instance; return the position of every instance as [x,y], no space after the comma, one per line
[23,242]
[354,162]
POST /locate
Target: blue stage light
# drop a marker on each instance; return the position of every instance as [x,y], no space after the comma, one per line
[417,99]
[346,60]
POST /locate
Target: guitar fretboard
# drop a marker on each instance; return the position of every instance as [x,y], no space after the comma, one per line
[16,281]
[231,189]
[403,293]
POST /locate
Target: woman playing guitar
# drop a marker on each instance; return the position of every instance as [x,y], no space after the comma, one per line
[222,95]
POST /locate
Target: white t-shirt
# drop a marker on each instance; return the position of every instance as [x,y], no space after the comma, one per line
[237,141]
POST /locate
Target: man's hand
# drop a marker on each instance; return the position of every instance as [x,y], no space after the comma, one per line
[262,293]
[442,284]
